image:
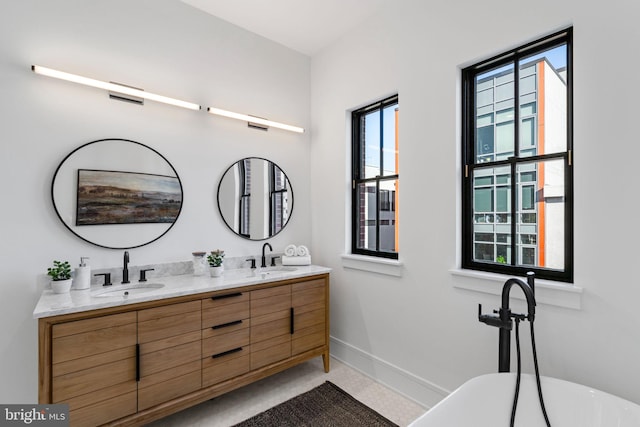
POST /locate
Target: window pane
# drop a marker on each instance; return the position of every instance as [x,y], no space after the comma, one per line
[504,115]
[484,97]
[485,120]
[389,144]
[484,252]
[503,254]
[484,237]
[483,200]
[503,199]
[504,92]
[528,256]
[492,205]
[527,136]
[527,197]
[388,216]
[279,179]
[366,221]
[542,232]
[370,145]
[549,83]
[485,144]
[483,180]
[504,137]
[527,85]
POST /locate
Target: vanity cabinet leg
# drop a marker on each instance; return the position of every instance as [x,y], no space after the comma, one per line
[326,362]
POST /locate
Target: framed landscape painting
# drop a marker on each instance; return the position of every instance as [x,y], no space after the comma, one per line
[116,197]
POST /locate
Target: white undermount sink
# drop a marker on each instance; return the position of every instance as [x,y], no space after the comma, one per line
[277,269]
[127,290]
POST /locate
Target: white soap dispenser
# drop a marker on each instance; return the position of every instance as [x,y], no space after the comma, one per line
[82,276]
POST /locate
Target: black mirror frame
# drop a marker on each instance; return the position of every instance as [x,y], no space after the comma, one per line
[220,210]
[53,181]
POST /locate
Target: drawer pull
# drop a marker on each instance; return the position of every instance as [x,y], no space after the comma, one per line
[225,353]
[217,297]
[137,362]
[226,325]
[291,325]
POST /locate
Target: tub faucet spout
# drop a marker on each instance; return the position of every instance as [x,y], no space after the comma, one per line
[504,317]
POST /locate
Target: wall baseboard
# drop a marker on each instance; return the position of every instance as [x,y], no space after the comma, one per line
[419,390]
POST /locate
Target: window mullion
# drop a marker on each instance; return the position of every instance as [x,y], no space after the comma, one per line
[514,212]
[516,151]
[380,174]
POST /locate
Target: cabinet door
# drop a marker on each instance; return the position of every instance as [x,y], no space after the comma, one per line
[309,303]
[94,368]
[270,325]
[225,337]
[170,352]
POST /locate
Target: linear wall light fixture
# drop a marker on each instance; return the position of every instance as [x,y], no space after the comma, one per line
[252,120]
[113,87]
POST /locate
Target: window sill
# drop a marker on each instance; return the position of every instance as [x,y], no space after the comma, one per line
[547,292]
[390,267]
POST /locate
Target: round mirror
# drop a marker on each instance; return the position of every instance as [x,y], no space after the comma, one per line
[255,198]
[117,193]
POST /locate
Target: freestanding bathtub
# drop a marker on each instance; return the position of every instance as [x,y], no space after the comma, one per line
[486,401]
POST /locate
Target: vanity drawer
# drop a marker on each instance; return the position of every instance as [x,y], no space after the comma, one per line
[226,328]
[224,366]
[224,314]
[222,300]
[219,344]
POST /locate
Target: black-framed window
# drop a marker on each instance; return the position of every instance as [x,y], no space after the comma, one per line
[245,197]
[517,161]
[375,179]
[279,199]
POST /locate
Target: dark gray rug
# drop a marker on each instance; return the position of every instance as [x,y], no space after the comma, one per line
[325,406]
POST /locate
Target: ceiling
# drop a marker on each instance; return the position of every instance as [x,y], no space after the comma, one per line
[306,26]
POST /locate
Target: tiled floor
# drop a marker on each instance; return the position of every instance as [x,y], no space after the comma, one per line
[238,405]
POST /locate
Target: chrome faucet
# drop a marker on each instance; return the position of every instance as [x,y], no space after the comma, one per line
[264,258]
[125,269]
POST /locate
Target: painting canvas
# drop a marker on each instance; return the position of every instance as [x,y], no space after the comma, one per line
[113,197]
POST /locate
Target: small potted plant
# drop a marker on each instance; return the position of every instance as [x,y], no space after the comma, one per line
[215,259]
[60,275]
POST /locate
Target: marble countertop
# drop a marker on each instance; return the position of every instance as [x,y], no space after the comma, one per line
[51,304]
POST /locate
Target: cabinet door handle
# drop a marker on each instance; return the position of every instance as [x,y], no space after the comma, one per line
[217,297]
[235,350]
[137,362]
[292,322]
[226,325]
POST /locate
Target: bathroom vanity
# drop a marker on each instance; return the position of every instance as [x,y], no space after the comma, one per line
[132,359]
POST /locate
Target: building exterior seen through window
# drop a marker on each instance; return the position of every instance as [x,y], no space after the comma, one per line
[517,155]
[375,179]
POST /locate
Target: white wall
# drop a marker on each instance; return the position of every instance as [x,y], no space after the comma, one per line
[160,45]
[419,326]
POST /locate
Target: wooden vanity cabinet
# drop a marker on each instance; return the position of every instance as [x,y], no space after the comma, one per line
[132,364]
[309,309]
[93,368]
[169,340]
[225,337]
[271,325]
